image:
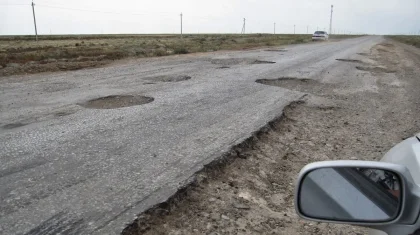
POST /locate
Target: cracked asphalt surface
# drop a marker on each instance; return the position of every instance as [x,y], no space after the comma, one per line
[65,168]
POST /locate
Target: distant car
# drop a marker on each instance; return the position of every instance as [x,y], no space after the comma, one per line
[320,35]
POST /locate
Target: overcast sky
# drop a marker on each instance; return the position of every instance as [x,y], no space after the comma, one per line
[208,16]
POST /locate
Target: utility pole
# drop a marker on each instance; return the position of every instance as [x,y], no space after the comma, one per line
[330,32]
[181,24]
[33,11]
[294,29]
[243,27]
[274,27]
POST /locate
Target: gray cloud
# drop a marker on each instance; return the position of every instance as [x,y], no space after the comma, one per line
[215,16]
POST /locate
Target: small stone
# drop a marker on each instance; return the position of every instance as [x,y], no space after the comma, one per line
[212,199]
[1,67]
[353,158]
[225,217]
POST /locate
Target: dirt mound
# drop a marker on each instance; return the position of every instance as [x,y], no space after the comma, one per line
[116,101]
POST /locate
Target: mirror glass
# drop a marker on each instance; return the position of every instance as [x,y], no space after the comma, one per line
[350,194]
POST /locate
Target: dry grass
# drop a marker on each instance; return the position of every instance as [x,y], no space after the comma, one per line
[21,54]
[411,40]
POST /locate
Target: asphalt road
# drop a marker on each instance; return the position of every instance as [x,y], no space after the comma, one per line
[65,168]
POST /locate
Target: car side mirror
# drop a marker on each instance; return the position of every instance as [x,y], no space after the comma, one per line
[377,195]
[351,194]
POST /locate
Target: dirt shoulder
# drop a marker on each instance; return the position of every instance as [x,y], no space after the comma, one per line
[22,55]
[251,191]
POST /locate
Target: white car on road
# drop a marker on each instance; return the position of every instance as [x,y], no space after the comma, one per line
[320,35]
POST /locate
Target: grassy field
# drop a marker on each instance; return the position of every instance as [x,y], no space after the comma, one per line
[411,40]
[21,54]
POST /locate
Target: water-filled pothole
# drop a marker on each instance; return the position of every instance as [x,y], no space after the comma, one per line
[350,60]
[116,101]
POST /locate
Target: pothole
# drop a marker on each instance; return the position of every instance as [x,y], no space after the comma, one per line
[169,78]
[277,50]
[237,61]
[14,125]
[375,69]
[224,67]
[64,113]
[349,60]
[116,101]
[285,80]
[363,54]
[386,45]
[304,85]
[263,62]
[232,61]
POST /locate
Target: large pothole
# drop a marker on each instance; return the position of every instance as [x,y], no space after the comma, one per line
[117,101]
[169,78]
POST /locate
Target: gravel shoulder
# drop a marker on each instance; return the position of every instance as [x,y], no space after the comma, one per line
[358,113]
